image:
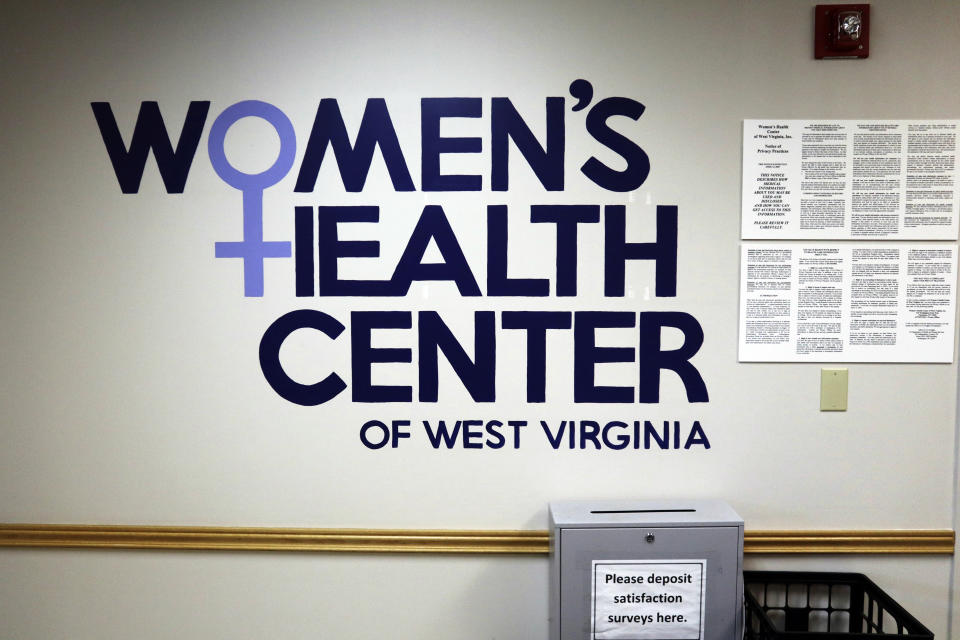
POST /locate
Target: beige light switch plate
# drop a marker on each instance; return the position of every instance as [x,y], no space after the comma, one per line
[833,389]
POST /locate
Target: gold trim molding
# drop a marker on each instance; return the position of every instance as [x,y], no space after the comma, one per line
[932,541]
[433,541]
[274,539]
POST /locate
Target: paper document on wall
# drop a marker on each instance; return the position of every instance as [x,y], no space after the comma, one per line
[648,599]
[850,179]
[844,302]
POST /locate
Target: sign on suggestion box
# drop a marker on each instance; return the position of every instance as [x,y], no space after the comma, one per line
[646,570]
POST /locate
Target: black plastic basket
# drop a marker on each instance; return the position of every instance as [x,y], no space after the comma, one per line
[801,605]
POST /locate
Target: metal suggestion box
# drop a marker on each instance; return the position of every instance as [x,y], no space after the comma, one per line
[646,570]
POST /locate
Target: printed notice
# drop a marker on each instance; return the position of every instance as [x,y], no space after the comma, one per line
[850,179]
[648,599]
[847,302]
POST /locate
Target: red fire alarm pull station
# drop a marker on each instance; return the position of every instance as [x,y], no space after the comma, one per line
[841,31]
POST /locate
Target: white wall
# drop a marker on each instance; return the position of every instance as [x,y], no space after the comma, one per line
[130,383]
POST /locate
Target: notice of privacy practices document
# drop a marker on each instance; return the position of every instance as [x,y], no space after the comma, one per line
[847,302]
[850,179]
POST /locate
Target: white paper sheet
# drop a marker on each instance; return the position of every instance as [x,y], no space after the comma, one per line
[648,599]
[850,179]
[845,302]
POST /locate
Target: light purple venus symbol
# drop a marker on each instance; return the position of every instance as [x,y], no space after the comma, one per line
[253,249]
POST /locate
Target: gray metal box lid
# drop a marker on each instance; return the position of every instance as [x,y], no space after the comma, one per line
[642,513]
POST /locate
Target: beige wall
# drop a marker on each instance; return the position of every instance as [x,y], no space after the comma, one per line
[130,384]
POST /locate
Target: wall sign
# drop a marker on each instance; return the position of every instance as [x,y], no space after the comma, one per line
[843,302]
[860,179]
[648,599]
[330,244]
